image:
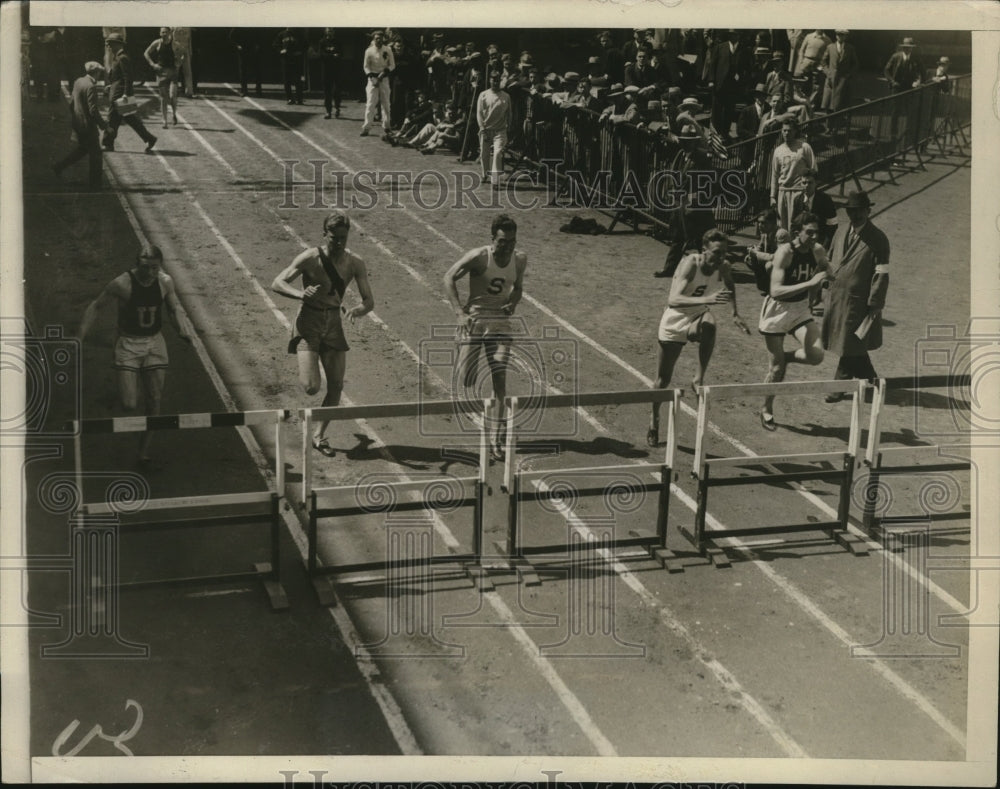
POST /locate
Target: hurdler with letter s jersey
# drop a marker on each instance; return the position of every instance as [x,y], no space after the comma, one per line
[489,292]
[678,322]
[785,315]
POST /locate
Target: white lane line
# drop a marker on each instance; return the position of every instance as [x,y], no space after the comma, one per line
[367,667]
[806,604]
[416,275]
[796,595]
[944,596]
[565,695]
[724,676]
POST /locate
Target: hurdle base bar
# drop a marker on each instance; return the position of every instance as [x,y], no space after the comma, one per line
[158,518]
[525,571]
[670,560]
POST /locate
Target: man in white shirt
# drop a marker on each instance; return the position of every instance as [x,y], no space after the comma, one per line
[493,116]
[378,64]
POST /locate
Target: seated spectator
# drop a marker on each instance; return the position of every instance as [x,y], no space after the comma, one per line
[420,114]
[447,131]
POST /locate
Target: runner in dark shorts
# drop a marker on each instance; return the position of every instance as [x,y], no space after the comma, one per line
[326,272]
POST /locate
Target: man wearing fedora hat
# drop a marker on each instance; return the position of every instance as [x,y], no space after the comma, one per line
[840,64]
[752,114]
[120,80]
[859,281]
[903,71]
[86,121]
[729,79]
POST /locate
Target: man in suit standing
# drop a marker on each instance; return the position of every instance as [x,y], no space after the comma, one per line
[840,63]
[87,123]
[859,281]
[751,115]
[903,71]
[120,81]
[730,73]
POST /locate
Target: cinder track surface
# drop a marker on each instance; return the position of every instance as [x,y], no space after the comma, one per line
[607,656]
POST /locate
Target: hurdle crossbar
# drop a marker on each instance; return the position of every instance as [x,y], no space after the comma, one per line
[843,472]
[516,480]
[327,502]
[876,456]
[194,511]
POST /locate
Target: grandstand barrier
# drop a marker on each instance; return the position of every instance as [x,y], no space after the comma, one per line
[380,495]
[704,538]
[879,459]
[516,481]
[190,512]
[601,160]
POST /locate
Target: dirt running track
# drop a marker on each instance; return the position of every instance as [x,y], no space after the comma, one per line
[608,655]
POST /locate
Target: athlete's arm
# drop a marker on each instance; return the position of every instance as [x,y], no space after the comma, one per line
[727,279]
[364,288]
[149,60]
[113,290]
[468,264]
[682,278]
[521,262]
[782,259]
[173,307]
[282,283]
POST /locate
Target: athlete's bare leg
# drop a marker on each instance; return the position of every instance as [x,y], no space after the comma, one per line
[669,353]
[334,365]
[810,351]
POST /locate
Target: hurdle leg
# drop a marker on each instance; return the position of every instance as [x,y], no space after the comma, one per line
[852,542]
[270,572]
[320,583]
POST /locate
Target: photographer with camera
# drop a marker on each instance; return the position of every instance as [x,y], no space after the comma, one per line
[496,276]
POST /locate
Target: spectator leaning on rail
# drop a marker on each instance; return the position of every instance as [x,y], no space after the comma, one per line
[379,63]
[903,72]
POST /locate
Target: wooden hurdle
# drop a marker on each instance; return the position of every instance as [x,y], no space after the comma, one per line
[878,458]
[516,481]
[382,495]
[227,509]
[836,529]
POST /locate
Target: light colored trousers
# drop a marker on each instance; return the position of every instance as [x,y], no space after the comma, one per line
[377,92]
[492,161]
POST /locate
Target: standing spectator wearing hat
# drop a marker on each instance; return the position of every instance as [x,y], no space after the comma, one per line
[729,80]
[493,116]
[120,83]
[247,43]
[903,72]
[108,54]
[289,46]
[184,50]
[840,64]
[940,75]
[859,281]
[379,63]
[86,121]
[329,53]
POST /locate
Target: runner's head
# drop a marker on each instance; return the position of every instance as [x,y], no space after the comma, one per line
[336,227]
[165,33]
[806,225]
[504,233]
[148,261]
[715,244]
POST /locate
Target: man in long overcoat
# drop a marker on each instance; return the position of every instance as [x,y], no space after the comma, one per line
[859,280]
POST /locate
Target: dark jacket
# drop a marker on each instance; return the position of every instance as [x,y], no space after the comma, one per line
[855,286]
[84,114]
[120,77]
